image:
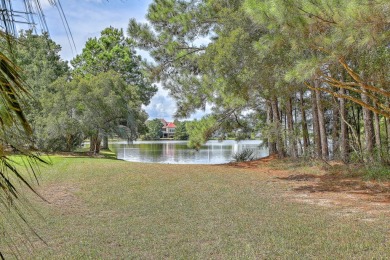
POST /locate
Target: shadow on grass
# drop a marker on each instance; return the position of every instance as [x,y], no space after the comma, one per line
[254,164]
[104,154]
[341,182]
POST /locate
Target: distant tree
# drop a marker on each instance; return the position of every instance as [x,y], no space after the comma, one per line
[105,102]
[113,51]
[181,131]
[90,106]
[154,129]
[57,128]
[38,57]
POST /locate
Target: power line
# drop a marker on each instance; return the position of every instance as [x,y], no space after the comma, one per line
[30,13]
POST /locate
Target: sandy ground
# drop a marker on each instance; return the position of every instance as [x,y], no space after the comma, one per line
[351,194]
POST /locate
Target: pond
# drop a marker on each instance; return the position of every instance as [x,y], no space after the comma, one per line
[177,152]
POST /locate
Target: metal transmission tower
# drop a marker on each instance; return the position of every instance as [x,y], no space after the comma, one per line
[23,12]
[28,14]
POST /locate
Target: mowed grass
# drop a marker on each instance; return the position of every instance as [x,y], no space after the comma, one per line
[109,209]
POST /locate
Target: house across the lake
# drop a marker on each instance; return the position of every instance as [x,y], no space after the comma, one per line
[168,129]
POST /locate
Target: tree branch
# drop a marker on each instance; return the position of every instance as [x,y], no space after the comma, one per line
[355,100]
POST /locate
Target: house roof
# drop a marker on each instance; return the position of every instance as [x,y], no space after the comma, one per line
[171,125]
[163,121]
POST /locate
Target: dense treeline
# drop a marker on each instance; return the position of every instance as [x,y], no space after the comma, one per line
[100,96]
[311,75]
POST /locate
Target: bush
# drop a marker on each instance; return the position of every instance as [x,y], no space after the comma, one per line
[378,172]
[244,156]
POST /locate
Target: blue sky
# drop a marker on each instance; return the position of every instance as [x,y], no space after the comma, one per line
[87,18]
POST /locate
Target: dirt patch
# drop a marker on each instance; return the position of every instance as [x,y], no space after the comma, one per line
[299,177]
[261,166]
[62,197]
[351,194]
[253,164]
[354,195]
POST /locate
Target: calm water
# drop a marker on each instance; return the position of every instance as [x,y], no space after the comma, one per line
[177,152]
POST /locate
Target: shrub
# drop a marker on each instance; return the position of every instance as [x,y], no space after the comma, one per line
[377,172]
[244,155]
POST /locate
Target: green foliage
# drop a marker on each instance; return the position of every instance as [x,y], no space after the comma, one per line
[200,131]
[89,106]
[170,37]
[38,57]
[315,40]
[181,131]
[254,52]
[113,51]
[94,101]
[154,129]
[377,172]
[57,128]
[224,70]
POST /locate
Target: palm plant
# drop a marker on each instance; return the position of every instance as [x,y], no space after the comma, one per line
[15,130]
[15,138]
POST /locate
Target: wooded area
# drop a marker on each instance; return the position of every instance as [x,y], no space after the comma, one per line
[100,96]
[311,76]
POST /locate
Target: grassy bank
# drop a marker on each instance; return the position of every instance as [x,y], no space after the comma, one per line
[104,208]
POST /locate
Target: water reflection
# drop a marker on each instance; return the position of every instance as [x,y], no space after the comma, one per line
[177,152]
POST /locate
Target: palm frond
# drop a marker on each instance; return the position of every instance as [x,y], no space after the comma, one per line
[11,87]
[15,139]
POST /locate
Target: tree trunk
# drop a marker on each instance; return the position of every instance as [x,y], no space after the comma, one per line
[271,144]
[105,142]
[316,127]
[285,129]
[321,121]
[292,143]
[387,123]
[305,131]
[336,132]
[69,142]
[359,110]
[344,148]
[368,130]
[277,126]
[95,142]
[377,131]
[387,136]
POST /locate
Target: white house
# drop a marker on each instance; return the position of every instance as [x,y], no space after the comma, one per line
[168,129]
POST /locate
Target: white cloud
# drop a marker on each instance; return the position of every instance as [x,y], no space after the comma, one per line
[45,4]
[161,105]
[164,106]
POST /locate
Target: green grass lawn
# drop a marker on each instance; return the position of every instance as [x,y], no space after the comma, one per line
[109,209]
